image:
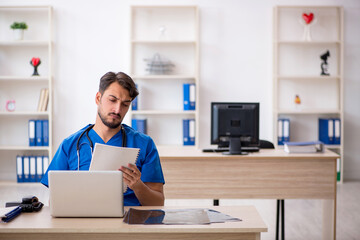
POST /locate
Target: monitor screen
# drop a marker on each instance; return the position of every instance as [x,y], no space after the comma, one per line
[235,121]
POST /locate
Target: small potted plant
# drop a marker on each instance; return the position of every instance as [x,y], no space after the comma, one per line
[19,28]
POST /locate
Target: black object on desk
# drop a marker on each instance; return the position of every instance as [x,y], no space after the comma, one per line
[12,214]
[226,149]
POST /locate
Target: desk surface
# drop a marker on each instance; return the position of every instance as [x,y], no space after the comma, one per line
[169,152]
[42,222]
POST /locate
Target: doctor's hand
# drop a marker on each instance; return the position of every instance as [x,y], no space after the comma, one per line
[131,175]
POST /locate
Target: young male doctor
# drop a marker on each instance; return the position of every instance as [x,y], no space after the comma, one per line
[145,179]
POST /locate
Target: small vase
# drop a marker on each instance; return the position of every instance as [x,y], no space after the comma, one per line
[18,34]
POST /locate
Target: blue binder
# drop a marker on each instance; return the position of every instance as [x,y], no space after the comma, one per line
[139,125]
[32,169]
[326,130]
[39,132]
[189,96]
[134,103]
[188,132]
[31,129]
[337,130]
[19,169]
[283,130]
[45,132]
[26,168]
[39,168]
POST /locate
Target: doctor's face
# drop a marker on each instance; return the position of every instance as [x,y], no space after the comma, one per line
[113,104]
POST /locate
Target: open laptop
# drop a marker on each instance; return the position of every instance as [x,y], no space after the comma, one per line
[86,193]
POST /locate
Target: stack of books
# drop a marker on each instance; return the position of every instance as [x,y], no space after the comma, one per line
[43,100]
[304,147]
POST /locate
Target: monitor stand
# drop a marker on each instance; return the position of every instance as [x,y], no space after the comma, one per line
[235,147]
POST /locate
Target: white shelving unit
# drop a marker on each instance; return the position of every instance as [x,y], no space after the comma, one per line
[297,71]
[16,82]
[173,33]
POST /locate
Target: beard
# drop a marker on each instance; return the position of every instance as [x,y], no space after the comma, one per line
[110,124]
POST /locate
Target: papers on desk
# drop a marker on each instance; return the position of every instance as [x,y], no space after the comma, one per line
[176,216]
[304,147]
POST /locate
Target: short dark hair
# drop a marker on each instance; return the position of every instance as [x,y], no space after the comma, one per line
[123,79]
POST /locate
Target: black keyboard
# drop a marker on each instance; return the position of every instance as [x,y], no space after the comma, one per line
[245,149]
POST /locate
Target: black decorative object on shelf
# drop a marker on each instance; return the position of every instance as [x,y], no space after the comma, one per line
[35,62]
[324,65]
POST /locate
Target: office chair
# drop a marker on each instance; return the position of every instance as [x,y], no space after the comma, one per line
[280,202]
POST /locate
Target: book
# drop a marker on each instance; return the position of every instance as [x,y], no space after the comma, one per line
[111,158]
[41,99]
[304,147]
[45,100]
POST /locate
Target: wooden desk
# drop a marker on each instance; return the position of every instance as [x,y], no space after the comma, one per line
[41,226]
[268,174]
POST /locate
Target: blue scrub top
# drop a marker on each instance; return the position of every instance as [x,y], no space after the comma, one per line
[148,161]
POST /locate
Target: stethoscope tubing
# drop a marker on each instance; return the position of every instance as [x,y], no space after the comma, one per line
[86,132]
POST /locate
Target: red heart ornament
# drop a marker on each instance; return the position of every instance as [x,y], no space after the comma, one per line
[308,18]
[35,61]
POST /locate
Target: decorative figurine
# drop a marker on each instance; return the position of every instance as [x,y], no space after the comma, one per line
[162,32]
[10,105]
[324,65]
[35,62]
[307,21]
[297,102]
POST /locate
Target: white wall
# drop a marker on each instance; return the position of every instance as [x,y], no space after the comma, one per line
[91,38]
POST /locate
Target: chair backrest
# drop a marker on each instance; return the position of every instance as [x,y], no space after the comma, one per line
[266,144]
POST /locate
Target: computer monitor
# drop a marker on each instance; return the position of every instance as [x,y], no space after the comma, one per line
[235,125]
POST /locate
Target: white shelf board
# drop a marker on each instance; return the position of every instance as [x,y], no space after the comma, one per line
[150,77]
[16,148]
[309,111]
[23,78]
[23,113]
[162,112]
[163,42]
[308,77]
[24,43]
[308,43]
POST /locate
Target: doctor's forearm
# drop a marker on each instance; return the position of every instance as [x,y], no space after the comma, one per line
[148,196]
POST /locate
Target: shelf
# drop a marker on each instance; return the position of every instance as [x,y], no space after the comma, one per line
[151,77]
[25,43]
[308,77]
[16,148]
[163,42]
[308,43]
[23,78]
[162,112]
[309,111]
[21,113]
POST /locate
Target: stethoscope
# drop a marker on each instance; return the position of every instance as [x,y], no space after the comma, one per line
[90,143]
